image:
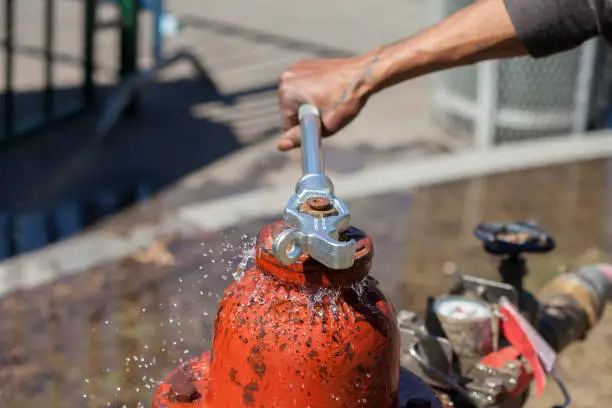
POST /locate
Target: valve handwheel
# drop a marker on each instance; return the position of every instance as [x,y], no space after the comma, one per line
[513,238]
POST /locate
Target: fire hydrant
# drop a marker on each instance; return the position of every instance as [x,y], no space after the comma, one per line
[306,327]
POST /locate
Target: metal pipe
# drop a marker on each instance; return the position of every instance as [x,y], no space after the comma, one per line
[571,304]
[310,127]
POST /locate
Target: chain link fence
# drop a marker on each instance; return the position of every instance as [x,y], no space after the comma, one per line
[521,99]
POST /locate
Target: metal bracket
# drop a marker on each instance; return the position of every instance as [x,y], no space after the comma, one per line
[314,227]
[488,290]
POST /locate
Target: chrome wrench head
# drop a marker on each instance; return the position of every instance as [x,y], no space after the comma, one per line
[310,233]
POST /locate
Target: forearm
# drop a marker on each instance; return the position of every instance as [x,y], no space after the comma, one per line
[479,32]
[489,29]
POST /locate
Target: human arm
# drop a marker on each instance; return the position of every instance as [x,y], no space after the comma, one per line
[485,30]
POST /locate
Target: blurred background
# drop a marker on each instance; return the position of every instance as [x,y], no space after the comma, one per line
[136,136]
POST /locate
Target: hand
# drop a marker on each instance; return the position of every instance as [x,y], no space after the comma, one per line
[339,88]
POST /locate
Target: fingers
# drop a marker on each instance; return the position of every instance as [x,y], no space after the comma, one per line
[290,139]
[288,102]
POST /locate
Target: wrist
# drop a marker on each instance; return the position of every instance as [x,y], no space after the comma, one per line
[371,72]
[398,62]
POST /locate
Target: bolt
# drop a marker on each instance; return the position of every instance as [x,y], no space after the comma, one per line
[319,203]
[185,393]
[494,383]
[182,389]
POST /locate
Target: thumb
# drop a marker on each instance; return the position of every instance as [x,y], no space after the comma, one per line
[290,139]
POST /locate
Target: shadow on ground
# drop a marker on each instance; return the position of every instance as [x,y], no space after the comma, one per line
[66,173]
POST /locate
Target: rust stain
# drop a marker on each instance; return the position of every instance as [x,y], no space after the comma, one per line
[255,360]
[233,375]
[247,393]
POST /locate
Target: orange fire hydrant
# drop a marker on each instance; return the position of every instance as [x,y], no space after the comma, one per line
[306,327]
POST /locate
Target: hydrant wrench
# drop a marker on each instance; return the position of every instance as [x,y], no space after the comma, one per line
[314,217]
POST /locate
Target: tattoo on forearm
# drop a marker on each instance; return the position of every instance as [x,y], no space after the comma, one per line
[365,75]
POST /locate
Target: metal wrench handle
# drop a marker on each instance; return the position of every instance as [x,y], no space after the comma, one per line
[316,235]
[310,127]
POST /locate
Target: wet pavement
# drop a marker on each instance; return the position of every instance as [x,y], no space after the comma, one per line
[105,336]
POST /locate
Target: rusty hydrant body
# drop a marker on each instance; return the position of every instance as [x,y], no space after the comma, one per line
[300,335]
[306,327]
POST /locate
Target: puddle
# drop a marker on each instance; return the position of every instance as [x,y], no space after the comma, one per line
[105,337]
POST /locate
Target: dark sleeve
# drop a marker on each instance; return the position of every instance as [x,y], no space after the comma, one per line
[550,26]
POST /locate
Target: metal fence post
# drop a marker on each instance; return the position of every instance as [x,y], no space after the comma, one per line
[48,39]
[486,115]
[129,45]
[89,29]
[9,100]
[584,86]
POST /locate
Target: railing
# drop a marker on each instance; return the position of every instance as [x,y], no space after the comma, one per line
[17,120]
[14,123]
[68,30]
[49,213]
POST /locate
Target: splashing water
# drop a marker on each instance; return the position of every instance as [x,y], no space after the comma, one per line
[360,288]
[168,325]
[236,258]
[246,256]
